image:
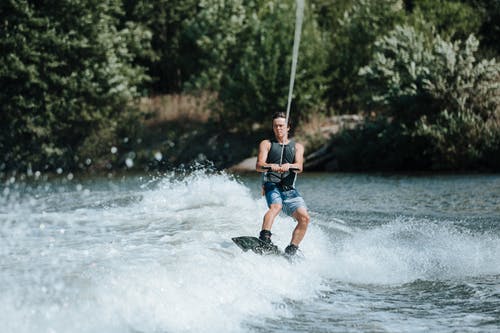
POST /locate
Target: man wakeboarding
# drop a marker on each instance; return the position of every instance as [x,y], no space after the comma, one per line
[279,161]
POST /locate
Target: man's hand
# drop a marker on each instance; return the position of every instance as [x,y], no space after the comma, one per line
[275,168]
[280,168]
[285,167]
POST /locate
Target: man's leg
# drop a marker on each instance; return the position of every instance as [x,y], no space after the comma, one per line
[302,217]
[265,233]
[267,223]
[269,217]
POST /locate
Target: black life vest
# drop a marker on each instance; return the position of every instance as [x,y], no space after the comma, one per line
[285,180]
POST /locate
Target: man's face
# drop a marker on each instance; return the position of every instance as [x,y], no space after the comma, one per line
[279,128]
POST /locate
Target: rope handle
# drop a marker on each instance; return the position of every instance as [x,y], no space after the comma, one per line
[269,168]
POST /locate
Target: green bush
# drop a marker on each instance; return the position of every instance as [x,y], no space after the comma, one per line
[66,71]
[350,47]
[461,141]
[452,19]
[248,59]
[379,145]
[489,31]
[173,57]
[439,93]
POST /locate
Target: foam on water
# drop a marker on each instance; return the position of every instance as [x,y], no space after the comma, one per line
[410,249]
[157,256]
[161,261]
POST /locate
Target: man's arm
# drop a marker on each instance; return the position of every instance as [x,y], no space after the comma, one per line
[264,148]
[299,158]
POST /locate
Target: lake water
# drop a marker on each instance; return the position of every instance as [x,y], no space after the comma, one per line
[154,254]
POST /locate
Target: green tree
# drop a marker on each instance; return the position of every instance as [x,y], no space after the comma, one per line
[351,46]
[329,13]
[172,59]
[217,30]
[489,30]
[440,93]
[458,19]
[248,51]
[66,72]
[452,19]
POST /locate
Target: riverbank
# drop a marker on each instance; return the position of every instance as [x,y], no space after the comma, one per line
[182,130]
[177,132]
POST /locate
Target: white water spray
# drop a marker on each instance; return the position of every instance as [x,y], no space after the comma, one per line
[299,15]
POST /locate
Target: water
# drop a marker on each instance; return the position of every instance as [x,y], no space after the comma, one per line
[142,254]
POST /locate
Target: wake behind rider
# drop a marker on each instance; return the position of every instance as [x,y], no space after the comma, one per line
[280,160]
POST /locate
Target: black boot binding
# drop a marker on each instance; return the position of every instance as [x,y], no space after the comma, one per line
[269,247]
[265,236]
[291,250]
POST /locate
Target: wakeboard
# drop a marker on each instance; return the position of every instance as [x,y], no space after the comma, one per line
[256,245]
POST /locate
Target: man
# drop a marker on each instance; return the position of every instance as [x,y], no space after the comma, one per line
[280,160]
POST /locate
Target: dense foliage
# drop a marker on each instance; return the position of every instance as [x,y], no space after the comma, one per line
[423,72]
[443,102]
[172,57]
[67,73]
[248,57]
[351,45]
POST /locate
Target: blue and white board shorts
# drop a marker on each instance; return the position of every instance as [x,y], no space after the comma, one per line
[290,200]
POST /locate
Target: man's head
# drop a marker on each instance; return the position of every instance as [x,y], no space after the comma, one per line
[280,127]
[279,114]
